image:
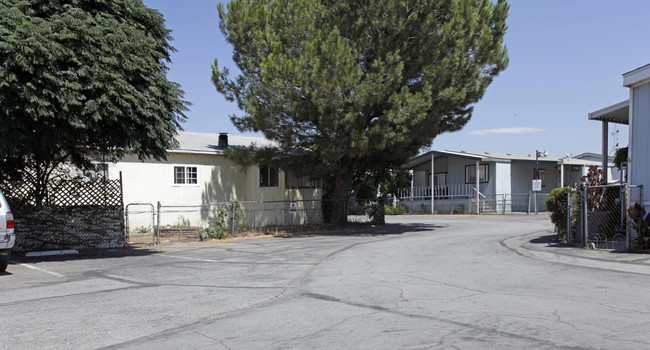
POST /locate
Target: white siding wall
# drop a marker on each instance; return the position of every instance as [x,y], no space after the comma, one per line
[420,174]
[640,141]
[502,186]
[455,169]
[457,174]
[503,173]
[219,180]
[524,172]
[572,177]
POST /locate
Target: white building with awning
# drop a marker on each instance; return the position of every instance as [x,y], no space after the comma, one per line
[634,112]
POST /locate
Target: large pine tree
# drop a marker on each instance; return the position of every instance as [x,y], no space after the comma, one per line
[347,87]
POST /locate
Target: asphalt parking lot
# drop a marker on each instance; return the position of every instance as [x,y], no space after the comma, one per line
[420,282]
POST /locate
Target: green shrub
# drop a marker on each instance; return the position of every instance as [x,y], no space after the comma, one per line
[557,205]
[223,223]
[640,225]
[458,209]
[399,209]
[143,229]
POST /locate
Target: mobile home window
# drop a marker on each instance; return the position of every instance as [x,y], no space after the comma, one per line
[294,181]
[185,175]
[470,173]
[269,176]
[98,170]
[440,179]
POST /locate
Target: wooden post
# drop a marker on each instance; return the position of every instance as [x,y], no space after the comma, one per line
[478,200]
[432,180]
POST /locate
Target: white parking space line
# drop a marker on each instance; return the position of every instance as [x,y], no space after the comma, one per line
[188,258]
[38,269]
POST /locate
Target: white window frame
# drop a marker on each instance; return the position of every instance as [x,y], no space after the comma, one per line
[470,170]
[186,171]
[269,169]
[99,169]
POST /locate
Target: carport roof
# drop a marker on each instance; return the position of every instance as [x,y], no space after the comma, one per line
[617,113]
[493,157]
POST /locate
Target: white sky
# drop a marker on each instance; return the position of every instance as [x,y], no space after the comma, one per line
[566,60]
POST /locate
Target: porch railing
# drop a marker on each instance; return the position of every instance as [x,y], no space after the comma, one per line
[439,192]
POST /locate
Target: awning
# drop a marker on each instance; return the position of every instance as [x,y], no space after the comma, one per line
[618,113]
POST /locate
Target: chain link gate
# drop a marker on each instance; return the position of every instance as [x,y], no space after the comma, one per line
[140,223]
[597,216]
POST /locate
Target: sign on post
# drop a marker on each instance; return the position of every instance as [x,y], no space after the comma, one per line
[293,206]
[537,185]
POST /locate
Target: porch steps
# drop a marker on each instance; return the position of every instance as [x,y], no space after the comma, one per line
[486,207]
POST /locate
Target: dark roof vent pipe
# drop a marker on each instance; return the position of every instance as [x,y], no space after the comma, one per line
[223,140]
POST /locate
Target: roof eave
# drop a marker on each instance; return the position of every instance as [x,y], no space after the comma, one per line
[637,77]
[616,113]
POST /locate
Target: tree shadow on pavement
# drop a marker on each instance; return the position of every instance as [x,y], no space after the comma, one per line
[367,231]
[551,241]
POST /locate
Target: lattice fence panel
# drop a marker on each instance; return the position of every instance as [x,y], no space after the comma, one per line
[73,215]
[68,193]
[73,193]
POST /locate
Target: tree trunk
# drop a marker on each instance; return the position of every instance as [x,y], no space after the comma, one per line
[379,217]
[341,195]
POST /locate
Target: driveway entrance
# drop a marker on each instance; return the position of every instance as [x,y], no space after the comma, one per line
[419,282]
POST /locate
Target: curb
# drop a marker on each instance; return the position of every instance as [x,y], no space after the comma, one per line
[521,246]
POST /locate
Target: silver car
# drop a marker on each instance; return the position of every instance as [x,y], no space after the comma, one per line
[7,236]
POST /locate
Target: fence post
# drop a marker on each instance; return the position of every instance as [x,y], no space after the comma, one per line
[126,223]
[504,203]
[157,231]
[625,220]
[585,226]
[568,218]
[126,214]
[528,202]
[232,218]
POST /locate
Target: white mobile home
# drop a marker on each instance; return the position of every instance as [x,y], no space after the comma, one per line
[635,113]
[504,181]
[197,175]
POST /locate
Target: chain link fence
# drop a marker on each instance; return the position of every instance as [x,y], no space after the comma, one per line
[597,216]
[149,224]
[487,204]
[139,223]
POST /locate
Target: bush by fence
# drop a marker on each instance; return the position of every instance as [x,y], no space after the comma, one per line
[557,203]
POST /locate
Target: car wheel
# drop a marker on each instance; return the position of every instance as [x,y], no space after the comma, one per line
[3,265]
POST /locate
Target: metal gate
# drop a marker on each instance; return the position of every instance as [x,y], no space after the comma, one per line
[140,223]
[597,216]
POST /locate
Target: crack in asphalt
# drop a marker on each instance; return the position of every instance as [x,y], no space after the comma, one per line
[322,330]
[283,293]
[219,341]
[463,325]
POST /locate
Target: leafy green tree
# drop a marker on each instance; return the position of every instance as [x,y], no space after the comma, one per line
[344,86]
[376,186]
[81,78]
